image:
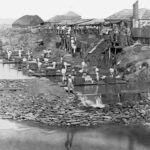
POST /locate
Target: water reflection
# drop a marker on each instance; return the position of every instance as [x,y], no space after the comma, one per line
[69,140]
[115,88]
[106,137]
[109,138]
[110,92]
[7,71]
[116,93]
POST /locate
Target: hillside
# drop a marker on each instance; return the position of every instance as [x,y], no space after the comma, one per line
[28,40]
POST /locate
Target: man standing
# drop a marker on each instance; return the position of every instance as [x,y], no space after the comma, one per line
[97,74]
[70,84]
[84,66]
[54,64]
[29,54]
[63,71]
[61,59]
[9,52]
[19,53]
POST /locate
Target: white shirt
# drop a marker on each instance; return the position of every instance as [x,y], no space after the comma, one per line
[65,64]
[83,63]
[46,59]
[72,41]
[39,64]
[96,69]
[63,71]
[70,80]
[54,64]
[61,59]
[24,59]
[19,53]
[9,52]
[111,70]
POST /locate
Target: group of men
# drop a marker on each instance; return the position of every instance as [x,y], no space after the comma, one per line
[20,53]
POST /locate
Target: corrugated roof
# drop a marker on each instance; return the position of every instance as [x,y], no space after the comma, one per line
[74,22]
[127,14]
[124,14]
[93,22]
[144,14]
[82,21]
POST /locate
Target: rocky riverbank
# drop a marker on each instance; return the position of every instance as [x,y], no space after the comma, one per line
[45,102]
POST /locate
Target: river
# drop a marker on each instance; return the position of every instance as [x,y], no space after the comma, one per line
[7,71]
[27,136]
[31,135]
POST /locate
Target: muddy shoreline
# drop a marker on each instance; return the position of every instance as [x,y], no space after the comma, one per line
[45,102]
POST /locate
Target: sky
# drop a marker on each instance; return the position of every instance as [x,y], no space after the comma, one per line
[49,8]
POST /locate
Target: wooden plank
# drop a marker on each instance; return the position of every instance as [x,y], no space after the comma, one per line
[91,51]
[10,89]
[94,84]
[121,92]
[95,94]
[134,91]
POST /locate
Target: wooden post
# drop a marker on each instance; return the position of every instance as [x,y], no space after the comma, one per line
[115,64]
[109,56]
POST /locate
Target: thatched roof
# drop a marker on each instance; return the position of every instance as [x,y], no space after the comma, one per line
[27,21]
[72,14]
[127,14]
[68,16]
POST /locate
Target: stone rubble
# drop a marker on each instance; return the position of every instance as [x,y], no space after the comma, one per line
[67,111]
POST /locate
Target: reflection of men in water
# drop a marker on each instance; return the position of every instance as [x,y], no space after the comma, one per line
[69,140]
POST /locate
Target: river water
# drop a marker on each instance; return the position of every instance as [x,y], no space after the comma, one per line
[24,136]
[110,92]
[36,136]
[7,71]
